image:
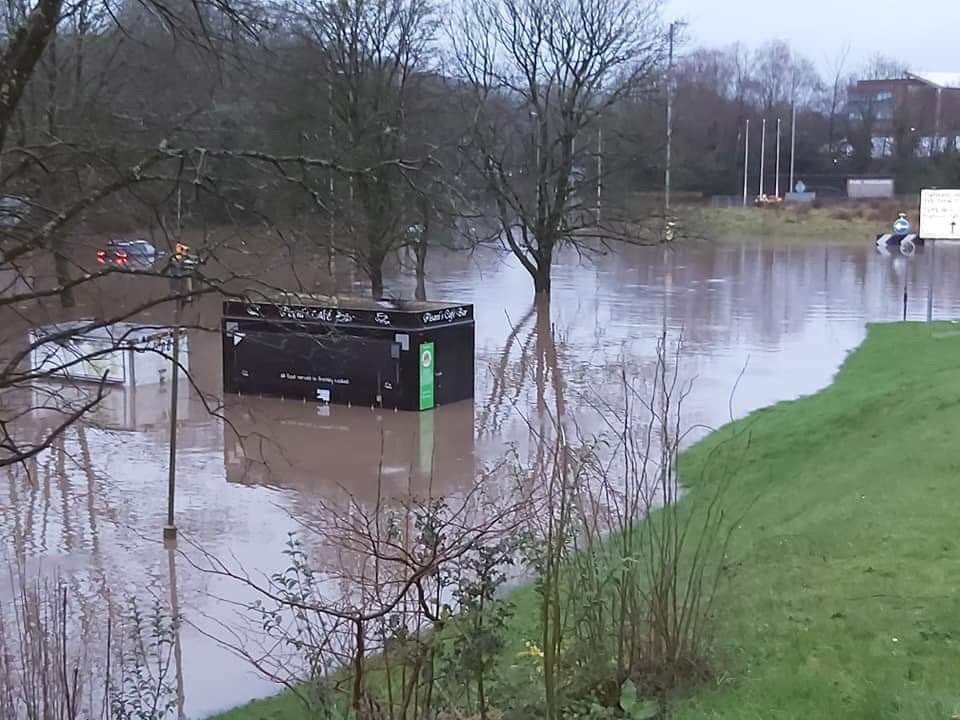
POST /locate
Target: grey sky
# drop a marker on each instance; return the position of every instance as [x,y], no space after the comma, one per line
[820,28]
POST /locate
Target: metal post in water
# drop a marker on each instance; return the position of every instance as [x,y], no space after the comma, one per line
[746,161]
[170,529]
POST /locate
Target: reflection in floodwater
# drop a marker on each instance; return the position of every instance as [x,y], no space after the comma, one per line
[337,451]
[91,508]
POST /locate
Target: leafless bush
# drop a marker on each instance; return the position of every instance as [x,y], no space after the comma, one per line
[52,670]
[353,622]
[391,609]
[627,576]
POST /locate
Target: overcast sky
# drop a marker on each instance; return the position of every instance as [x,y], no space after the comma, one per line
[820,28]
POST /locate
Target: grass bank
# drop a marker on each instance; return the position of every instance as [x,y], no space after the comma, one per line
[841,224]
[841,596]
[843,601]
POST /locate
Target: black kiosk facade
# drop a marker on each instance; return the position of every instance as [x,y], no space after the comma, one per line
[407,355]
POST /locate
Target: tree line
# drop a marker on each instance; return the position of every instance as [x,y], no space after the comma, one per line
[374,125]
[718,90]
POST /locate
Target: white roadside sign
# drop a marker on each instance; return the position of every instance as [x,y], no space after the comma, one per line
[940,214]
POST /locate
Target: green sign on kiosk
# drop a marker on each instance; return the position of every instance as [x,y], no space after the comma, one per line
[426,376]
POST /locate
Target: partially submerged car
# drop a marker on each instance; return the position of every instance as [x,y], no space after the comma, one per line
[132,254]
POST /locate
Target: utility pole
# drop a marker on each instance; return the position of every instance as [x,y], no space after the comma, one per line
[793,147]
[666,185]
[763,151]
[776,191]
[746,162]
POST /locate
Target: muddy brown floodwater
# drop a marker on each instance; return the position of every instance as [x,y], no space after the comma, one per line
[91,508]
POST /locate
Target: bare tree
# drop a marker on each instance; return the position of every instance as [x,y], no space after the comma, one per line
[536,77]
[837,94]
[783,78]
[374,55]
[58,166]
[386,592]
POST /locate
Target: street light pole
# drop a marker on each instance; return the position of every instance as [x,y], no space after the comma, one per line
[793,147]
[170,529]
[776,191]
[763,152]
[746,162]
[666,184]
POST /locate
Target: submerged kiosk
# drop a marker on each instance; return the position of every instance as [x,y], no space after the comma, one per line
[401,354]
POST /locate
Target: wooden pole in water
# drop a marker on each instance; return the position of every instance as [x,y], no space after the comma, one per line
[746,161]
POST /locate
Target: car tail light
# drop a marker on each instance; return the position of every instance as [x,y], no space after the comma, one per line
[101,256]
[121,256]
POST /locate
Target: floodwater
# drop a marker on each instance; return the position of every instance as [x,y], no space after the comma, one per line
[771,321]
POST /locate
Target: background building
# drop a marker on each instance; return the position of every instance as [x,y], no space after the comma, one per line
[920,110]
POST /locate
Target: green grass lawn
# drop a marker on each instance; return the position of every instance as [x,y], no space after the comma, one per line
[843,599]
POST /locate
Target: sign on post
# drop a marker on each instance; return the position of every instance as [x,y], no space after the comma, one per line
[426,376]
[940,214]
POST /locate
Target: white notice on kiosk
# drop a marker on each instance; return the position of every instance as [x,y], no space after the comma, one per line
[940,214]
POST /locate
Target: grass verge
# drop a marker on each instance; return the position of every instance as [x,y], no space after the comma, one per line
[841,597]
[843,601]
[841,224]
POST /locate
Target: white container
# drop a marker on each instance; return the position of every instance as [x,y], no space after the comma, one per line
[127,354]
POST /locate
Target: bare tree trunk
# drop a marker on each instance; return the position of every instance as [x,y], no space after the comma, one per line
[375,273]
[421,292]
[61,266]
[541,274]
[420,250]
[20,58]
[53,72]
